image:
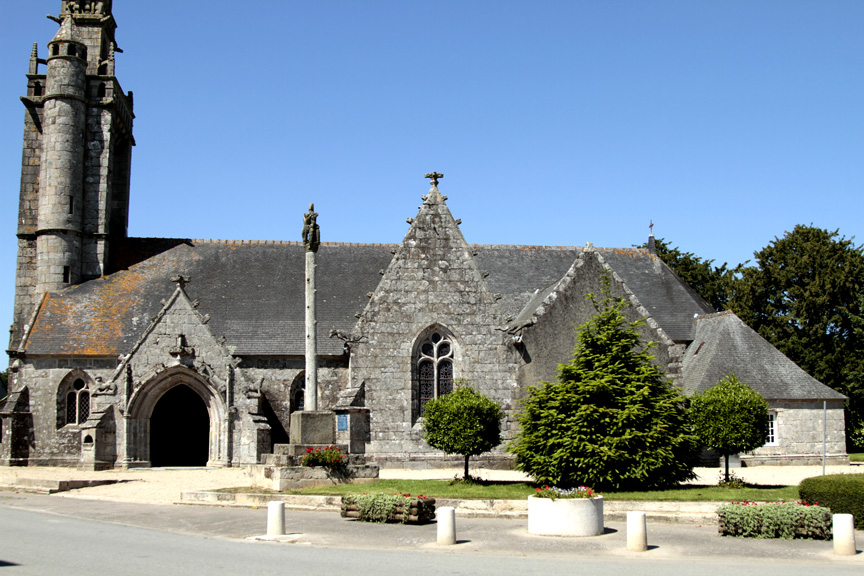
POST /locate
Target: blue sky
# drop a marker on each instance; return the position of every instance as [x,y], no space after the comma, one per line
[554,122]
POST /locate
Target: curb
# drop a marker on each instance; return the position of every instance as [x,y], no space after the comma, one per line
[616,510]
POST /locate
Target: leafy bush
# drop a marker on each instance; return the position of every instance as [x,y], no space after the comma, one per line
[555,493]
[730,482]
[463,422]
[379,507]
[775,520]
[612,420]
[842,493]
[730,417]
[330,457]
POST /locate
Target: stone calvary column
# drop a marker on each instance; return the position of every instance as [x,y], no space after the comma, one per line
[311,426]
[311,241]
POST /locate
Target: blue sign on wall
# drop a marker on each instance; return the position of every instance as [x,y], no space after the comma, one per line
[342,422]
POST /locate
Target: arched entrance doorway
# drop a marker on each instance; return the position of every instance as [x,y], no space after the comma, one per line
[180,429]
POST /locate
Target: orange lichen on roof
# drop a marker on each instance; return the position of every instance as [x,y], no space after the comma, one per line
[97,318]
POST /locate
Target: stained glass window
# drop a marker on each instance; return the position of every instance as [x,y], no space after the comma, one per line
[434,368]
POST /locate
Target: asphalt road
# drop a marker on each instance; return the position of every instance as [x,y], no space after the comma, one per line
[50,535]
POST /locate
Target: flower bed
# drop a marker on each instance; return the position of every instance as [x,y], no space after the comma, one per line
[402,508]
[775,520]
[565,512]
[330,457]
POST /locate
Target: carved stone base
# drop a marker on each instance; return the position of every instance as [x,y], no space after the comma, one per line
[312,427]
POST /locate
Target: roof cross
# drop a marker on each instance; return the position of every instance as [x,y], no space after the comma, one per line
[434,176]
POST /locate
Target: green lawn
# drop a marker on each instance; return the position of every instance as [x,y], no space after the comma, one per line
[859,457]
[518,490]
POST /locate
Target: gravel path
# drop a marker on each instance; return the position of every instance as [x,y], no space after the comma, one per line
[164,485]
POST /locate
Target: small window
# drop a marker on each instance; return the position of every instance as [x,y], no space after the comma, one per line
[70,50]
[297,398]
[77,403]
[67,275]
[71,205]
[102,90]
[772,430]
[55,50]
[37,89]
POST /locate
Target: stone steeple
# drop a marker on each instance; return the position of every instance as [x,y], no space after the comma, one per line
[74,198]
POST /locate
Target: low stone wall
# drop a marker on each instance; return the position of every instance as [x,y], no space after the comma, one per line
[292,501]
[615,511]
[795,460]
[281,478]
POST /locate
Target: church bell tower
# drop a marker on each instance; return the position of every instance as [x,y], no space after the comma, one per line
[74,197]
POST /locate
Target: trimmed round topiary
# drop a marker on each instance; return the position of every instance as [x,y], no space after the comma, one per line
[842,493]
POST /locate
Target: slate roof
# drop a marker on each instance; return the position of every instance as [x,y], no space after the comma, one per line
[671,302]
[518,272]
[724,344]
[254,295]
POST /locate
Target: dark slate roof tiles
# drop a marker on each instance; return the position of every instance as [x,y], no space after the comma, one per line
[253,292]
[671,302]
[724,344]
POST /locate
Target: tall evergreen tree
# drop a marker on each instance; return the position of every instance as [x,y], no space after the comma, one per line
[806,296]
[612,420]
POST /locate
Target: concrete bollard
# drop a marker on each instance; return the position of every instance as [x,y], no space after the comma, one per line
[637,531]
[446,516]
[844,534]
[275,518]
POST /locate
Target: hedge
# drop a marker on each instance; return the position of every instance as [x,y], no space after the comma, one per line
[842,493]
[775,520]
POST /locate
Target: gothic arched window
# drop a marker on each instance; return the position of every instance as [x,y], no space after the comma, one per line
[77,404]
[434,368]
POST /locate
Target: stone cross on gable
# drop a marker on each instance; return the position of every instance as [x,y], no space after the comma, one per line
[434,176]
[181,280]
[651,227]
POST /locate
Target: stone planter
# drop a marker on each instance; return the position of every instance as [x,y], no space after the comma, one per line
[565,516]
[411,511]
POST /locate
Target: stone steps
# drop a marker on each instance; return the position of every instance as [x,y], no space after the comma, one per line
[45,486]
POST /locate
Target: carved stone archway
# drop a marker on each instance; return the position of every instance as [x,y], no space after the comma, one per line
[144,400]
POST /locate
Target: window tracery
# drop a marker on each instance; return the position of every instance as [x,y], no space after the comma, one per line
[434,368]
[77,403]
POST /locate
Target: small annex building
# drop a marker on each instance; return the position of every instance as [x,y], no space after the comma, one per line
[129,352]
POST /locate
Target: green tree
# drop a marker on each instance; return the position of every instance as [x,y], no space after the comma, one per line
[463,422]
[805,295]
[730,417]
[715,284]
[612,420]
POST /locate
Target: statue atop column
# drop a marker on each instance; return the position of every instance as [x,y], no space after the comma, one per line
[311,232]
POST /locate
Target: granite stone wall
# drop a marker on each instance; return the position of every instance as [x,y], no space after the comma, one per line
[799,434]
[433,283]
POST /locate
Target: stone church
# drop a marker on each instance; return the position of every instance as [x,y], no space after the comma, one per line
[130,352]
